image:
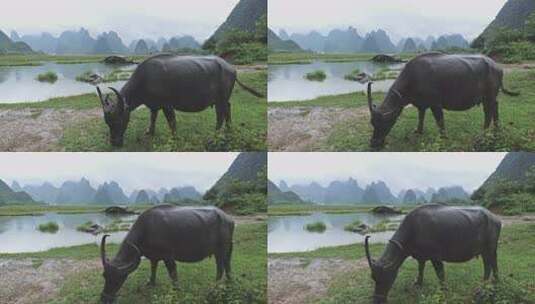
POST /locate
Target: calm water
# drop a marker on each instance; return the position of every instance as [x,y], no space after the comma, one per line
[287,233]
[20,234]
[19,84]
[287,82]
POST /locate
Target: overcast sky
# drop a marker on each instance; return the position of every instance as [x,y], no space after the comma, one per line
[400,18]
[132,19]
[131,170]
[398,170]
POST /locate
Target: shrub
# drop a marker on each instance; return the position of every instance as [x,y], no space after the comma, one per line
[50,227]
[356,226]
[353,76]
[318,75]
[319,227]
[49,77]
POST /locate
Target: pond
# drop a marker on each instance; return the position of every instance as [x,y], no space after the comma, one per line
[287,233]
[19,233]
[19,84]
[287,83]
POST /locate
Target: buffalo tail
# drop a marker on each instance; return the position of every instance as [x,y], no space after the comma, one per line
[507,92]
[250,90]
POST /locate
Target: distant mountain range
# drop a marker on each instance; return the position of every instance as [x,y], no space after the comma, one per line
[110,193]
[277,44]
[350,41]
[513,167]
[81,42]
[11,196]
[276,196]
[349,192]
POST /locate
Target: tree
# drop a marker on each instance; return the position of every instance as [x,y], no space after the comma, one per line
[529,28]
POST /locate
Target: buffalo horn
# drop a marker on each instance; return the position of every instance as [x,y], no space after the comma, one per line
[103,251]
[100,97]
[370,101]
[119,97]
[366,247]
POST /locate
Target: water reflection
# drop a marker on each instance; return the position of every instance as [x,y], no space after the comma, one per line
[287,83]
[287,233]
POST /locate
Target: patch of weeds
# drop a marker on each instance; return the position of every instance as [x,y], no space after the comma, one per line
[356,226]
[319,227]
[50,77]
[318,75]
[353,75]
[50,227]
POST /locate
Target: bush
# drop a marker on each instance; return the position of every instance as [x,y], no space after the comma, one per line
[49,77]
[356,226]
[319,227]
[353,76]
[316,76]
[50,227]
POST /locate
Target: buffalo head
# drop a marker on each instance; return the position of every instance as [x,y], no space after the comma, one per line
[114,275]
[382,120]
[383,274]
[116,115]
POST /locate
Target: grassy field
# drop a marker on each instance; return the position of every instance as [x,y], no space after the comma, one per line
[305,209]
[40,59]
[516,259]
[306,58]
[464,129]
[195,131]
[196,280]
[23,210]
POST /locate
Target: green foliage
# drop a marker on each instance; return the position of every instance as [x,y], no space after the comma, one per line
[85,226]
[353,76]
[529,28]
[261,30]
[509,197]
[49,227]
[384,74]
[317,75]
[510,45]
[355,226]
[49,77]
[242,47]
[318,227]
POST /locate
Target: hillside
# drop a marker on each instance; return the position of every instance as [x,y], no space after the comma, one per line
[276,196]
[511,188]
[276,44]
[8,196]
[8,46]
[242,189]
[513,15]
[243,17]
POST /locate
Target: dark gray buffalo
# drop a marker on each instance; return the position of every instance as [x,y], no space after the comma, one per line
[169,233]
[170,82]
[437,233]
[439,82]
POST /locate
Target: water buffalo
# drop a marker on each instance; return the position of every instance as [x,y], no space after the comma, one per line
[170,82]
[169,233]
[439,81]
[440,234]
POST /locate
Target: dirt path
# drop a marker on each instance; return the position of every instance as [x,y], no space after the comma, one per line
[37,281]
[38,129]
[517,219]
[300,128]
[296,280]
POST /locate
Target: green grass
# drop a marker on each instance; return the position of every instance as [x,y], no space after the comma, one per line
[516,259]
[464,129]
[354,226]
[117,75]
[307,58]
[49,227]
[353,75]
[195,131]
[385,73]
[196,280]
[316,75]
[49,77]
[40,59]
[85,226]
[316,227]
[24,210]
[306,209]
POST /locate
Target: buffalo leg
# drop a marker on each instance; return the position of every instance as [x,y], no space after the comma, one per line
[153,268]
[220,114]
[228,115]
[421,118]
[152,126]
[219,261]
[487,109]
[494,264]
[439,117]
[228,258]
[171,270]
[486,266]
[421,268]
[439,269]
[171,119]
[495,117]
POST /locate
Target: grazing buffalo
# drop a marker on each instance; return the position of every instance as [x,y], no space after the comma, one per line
[439,81]
[170,82]
[169,233]
[438,233]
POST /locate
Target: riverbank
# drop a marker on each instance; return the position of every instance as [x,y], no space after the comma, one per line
[48,277]
[307,58]
[40,59]
[307,209]
[341,275]
[341,123]
[76,124]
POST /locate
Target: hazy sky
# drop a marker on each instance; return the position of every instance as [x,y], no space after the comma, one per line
[398,170]
[400,18]
[131,170]
[130,18]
